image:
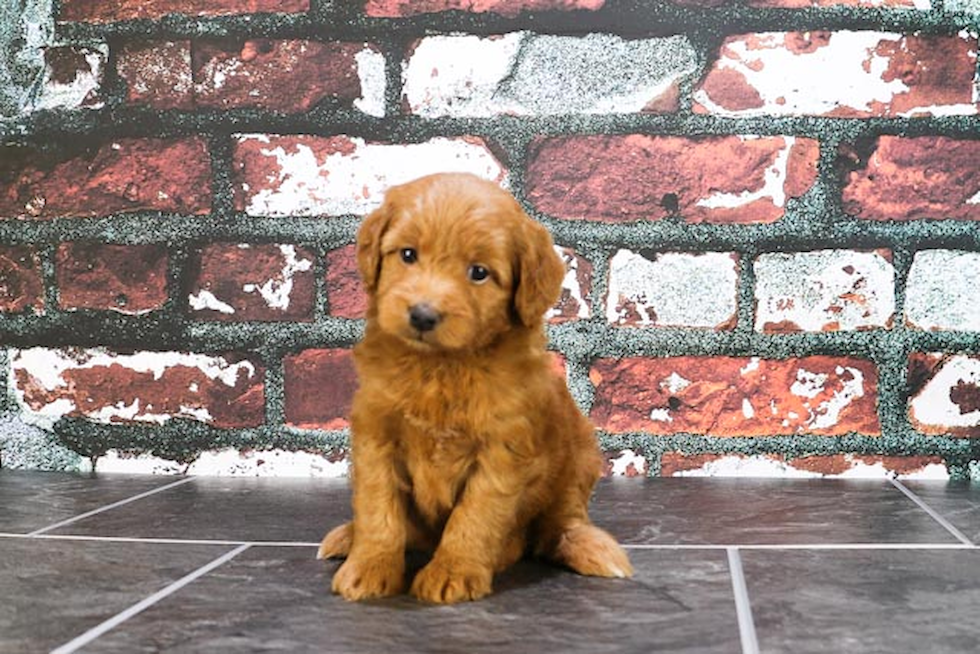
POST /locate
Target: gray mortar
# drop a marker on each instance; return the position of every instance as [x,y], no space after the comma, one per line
[815,221]
[26,447]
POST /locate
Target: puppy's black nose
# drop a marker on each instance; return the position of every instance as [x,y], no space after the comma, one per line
[423,317]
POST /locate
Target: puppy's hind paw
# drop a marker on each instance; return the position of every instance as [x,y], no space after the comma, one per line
[337,543]
[588,550]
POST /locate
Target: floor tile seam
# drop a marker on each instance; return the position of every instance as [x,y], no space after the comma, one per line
[934,514]
[109,507]
[628,547]
[743,603]
[111,623]
[157,541]
[806,546]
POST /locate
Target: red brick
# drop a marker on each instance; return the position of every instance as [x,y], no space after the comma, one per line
[874,74]
[346,297]
[125,175]
[630,178]
[110,11]
[253,282]
[157,74]
[674,464]
[287,76]
[21,285]
[401,8]
[734,396]
[320,386]
[928,177]
[225,391]
[839,464]
[130,279]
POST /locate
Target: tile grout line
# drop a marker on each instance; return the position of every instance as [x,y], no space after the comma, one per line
[946,524]
[628,547]
[809,546]
[146,603]
[743,605]
[108,507]
[161,541]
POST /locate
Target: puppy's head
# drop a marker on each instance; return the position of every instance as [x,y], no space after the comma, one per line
[451,262]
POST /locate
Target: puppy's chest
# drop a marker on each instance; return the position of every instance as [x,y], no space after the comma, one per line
[444,425]
[447,447]
[437,462]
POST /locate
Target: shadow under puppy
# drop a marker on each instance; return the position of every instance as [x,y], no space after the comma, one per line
[465,441]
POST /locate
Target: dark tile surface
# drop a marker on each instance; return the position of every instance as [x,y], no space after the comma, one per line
[244,509]
[761,512]
[889,595]
[959,503]
[866,601]
[277,599]
[53,591]
[34,500]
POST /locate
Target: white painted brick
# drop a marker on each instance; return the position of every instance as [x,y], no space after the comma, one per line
[850,73]
[371,72]
[228,463]
[628,464]
[943,291]
[673,289]
[315,176]
[938,406]
[760,466]
[824,290]
[529,74]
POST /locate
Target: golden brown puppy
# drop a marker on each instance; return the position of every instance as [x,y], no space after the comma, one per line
[465,441]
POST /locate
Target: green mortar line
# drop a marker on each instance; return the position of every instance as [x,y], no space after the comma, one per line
[637,18]
[183,441]
[7,402]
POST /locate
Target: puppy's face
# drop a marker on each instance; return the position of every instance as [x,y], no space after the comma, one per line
[451,262]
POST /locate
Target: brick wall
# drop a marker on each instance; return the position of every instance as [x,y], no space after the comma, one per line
[768,209]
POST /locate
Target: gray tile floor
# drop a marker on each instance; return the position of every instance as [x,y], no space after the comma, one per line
[149,564]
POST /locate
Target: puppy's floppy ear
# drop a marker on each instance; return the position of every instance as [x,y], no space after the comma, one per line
[540,273]
[369,244]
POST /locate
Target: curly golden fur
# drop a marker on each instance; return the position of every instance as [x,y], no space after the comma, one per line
[465,442]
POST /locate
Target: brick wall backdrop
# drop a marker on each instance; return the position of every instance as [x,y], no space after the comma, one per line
[769,210]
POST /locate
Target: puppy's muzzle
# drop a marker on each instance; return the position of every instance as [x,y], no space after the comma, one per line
[423,317]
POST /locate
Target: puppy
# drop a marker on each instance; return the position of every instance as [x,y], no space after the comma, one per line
[465,441]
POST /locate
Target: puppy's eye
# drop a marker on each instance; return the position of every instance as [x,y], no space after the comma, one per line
[408,255]
[478,274]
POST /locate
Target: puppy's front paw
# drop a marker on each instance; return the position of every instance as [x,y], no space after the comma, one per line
[446,581]
[336,544]
[367,577]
